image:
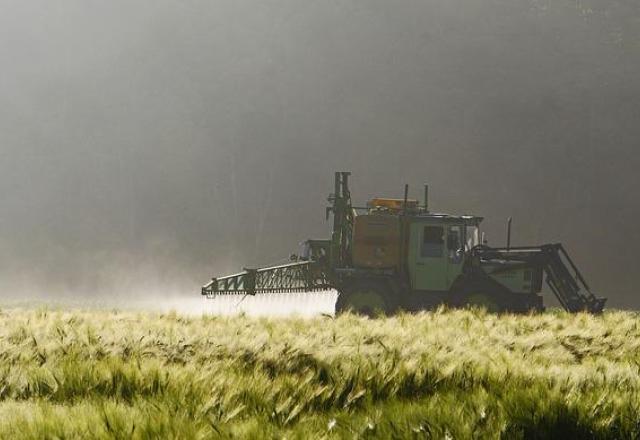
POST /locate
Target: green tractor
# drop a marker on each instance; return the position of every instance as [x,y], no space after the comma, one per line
[395,254]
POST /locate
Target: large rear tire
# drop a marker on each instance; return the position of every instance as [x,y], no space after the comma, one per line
[367,298]
[481,294]
[485,301]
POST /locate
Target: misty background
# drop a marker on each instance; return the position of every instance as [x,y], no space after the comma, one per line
[148,145]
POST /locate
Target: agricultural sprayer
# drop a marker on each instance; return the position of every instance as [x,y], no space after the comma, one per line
[396,254]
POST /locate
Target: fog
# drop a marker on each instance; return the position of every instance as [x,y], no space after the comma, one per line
[146,146]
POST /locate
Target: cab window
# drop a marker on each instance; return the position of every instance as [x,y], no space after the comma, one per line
[472,237]
[454,243]
[432,241]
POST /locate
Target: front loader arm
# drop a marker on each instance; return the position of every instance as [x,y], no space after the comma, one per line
[562,276]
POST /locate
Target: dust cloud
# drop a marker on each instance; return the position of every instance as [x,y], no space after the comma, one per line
[146,146]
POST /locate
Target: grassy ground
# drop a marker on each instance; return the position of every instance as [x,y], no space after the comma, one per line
[458,374]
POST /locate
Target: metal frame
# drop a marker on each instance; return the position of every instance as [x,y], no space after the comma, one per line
[571,290]
[301,276]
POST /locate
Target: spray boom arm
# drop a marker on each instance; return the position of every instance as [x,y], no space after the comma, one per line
[302,276]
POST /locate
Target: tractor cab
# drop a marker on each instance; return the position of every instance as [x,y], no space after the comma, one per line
[437,245]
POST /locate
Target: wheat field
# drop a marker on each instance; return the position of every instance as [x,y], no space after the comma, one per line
[443,374]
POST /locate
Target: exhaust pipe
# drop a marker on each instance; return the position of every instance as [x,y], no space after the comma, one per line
[426,197]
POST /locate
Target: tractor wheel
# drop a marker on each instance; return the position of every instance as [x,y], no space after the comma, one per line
[365,298]
[482,295]
[483,300]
